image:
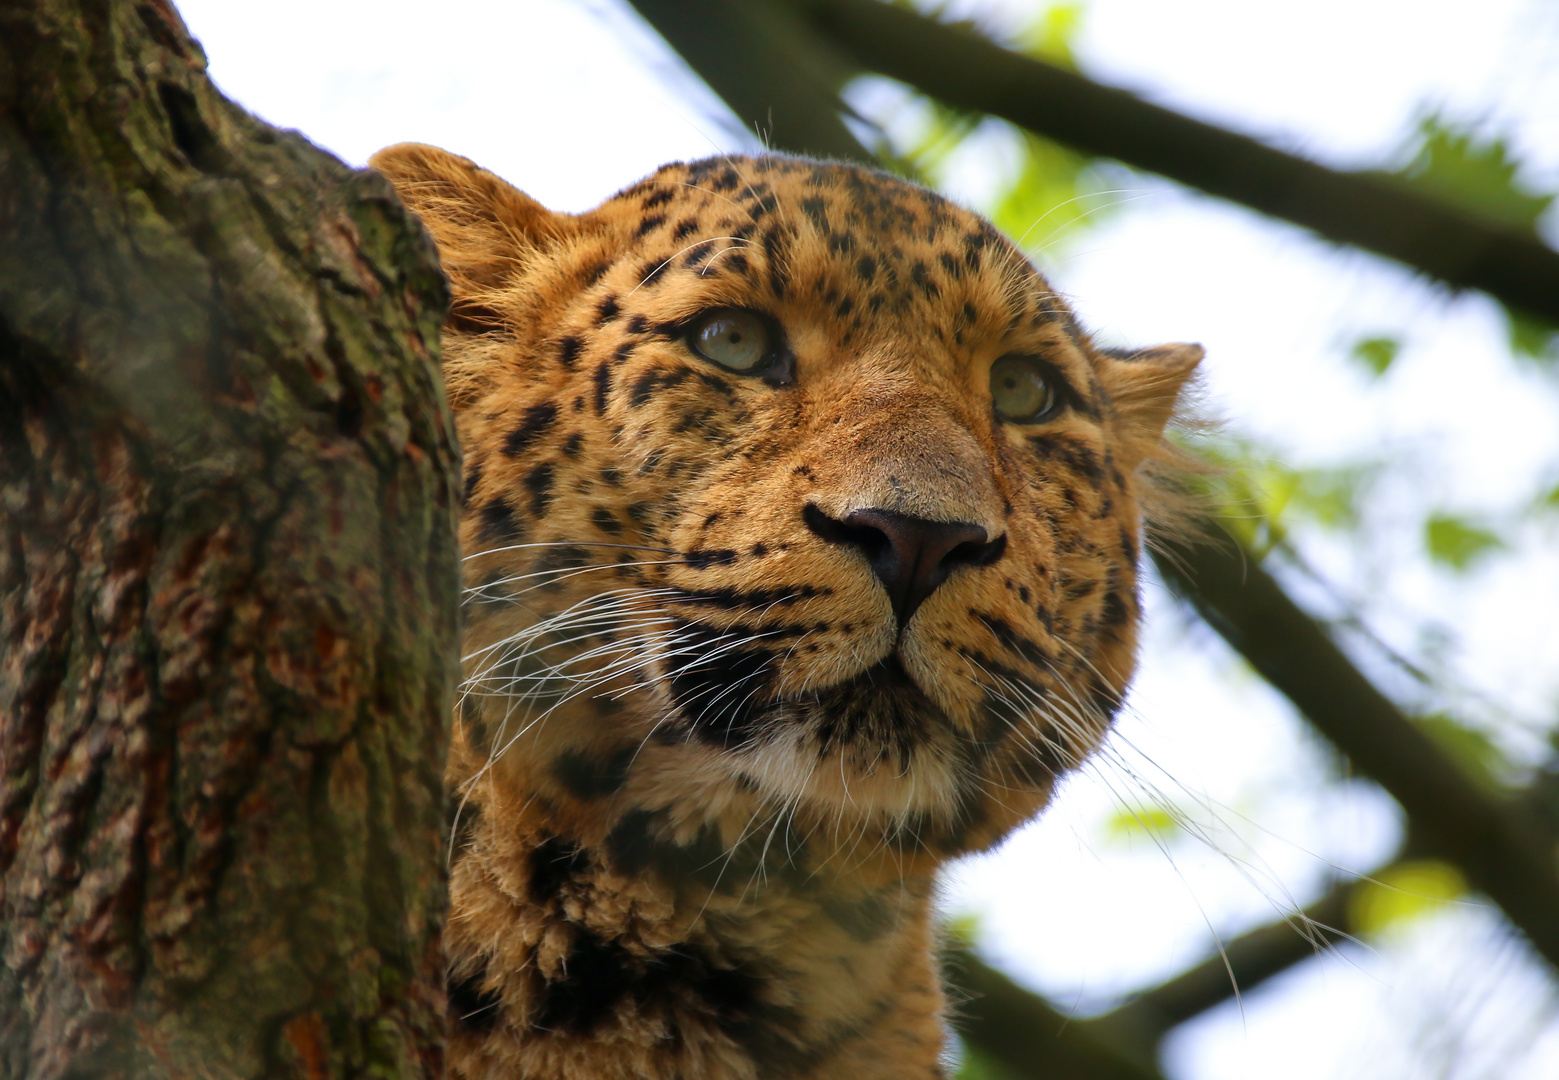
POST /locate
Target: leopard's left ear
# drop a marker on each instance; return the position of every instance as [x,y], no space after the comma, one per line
[486,229]
[1146,384]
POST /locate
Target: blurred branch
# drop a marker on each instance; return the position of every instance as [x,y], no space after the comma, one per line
[1028,1038]
[769,68]
[1015,1025]
[779,65]
[1501,846]
[1245,963]
[1378,214]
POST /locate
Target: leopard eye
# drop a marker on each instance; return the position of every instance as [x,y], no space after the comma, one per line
[1022,390]
[735,339]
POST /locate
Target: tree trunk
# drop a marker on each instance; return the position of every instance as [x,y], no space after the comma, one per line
[228,578]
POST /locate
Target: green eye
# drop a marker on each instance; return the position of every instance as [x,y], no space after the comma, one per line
[732,338]
[1022,390]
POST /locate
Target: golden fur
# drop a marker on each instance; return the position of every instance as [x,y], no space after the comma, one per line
[703,776]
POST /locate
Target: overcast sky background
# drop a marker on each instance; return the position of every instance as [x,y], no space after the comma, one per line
[572,101]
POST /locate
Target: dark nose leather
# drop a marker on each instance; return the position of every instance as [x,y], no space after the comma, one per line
[911,556]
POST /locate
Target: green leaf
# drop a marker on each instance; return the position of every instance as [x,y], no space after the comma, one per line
[1376,353]
[1330,497]
[1403,893]
[1048,198]
[976,1066]
[1053,191]
[1259,498]
[1049,37]
[1473,170]
[962,929]
[1155,822]
[1531,337]
[1456,542]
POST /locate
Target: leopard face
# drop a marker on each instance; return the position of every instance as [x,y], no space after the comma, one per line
[789,485]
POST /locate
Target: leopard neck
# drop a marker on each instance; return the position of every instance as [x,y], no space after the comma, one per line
[596,922]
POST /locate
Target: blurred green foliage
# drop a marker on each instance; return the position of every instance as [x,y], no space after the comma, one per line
[1049,197]
[1403,894]
[1158,823]
[1531,337]
[973,1065]
[1457,542]
[1458,164]
[1478,171]
[962,930]
[1259,498]
[1376,353]
[1047,192]
[1050,33]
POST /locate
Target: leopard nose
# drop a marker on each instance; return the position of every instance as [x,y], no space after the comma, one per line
[911,556]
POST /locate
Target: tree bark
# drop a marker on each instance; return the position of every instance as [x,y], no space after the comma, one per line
[228,578]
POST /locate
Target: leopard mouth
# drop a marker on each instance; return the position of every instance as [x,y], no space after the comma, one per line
[726,702]
[881,708]
[889,673]
[872,744]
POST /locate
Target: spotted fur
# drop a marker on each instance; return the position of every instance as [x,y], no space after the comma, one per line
[703,777]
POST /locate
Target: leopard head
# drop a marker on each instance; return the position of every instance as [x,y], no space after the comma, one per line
[789,484]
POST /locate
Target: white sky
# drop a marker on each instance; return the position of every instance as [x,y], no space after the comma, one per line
[572,101]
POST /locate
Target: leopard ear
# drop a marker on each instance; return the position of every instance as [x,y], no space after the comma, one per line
[486,229]
[1146,384]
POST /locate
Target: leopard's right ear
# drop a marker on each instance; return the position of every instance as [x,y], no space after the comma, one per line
[486,229]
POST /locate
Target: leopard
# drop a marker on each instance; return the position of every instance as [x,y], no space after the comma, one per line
[802,526]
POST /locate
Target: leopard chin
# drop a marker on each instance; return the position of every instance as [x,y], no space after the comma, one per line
[877,749]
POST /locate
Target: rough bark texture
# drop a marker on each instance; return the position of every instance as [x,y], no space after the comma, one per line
[228,578]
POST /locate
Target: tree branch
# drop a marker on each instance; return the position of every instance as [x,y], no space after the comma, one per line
[768,66]
[1245,963]
[228,578]
[1370,211]
[780,63]
[1026,1036]
[1503,848]
[1016,1026]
